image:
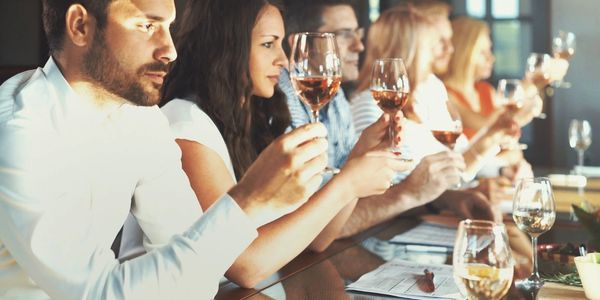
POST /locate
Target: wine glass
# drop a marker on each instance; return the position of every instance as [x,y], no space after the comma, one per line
[538,69]
[538,72]
[563,46]
[534,213]
[580,138]
[447,130]
[482,260]
[390,89]
[315,71]
[511,95]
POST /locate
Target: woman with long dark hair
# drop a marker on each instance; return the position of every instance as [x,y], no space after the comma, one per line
[224,109]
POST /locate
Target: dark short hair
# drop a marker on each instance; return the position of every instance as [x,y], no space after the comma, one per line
[303,16]
[54,18]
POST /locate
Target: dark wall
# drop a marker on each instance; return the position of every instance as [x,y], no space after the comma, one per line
[22,42]
[21,38]
[582,100]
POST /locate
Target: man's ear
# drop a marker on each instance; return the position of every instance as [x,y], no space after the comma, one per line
[80,25]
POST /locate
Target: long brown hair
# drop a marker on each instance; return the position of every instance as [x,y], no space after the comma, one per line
[213,42]
[399,32]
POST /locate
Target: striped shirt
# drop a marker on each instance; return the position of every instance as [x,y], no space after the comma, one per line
[336,116]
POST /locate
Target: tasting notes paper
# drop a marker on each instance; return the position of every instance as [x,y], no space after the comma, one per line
[402,278]
[428,234]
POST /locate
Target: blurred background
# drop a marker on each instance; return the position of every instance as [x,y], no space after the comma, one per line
[519,27]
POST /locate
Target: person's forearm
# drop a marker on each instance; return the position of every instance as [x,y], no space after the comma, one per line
[315,223]
[482,145]
[374,210]
[333,229]
[190,265]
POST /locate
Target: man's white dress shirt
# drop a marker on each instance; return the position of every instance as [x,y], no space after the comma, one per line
[187,122]
[70,172]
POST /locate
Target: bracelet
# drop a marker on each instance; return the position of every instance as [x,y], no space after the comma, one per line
[432,209]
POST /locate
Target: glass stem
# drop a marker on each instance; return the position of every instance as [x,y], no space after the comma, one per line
[535,272]
[580,159]
[580,171]
[315,116]
[392,133]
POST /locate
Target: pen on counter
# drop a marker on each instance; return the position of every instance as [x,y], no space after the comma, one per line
[429,286]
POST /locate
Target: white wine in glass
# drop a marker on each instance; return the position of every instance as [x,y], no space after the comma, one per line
[534,213]
[511,95]
[315,70]
[563,46]
[538,69]
[482,260]
[580,138]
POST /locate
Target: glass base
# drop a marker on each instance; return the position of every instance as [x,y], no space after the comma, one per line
[561,85]
[529,284]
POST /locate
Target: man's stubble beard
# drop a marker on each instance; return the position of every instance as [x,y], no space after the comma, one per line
[103,67]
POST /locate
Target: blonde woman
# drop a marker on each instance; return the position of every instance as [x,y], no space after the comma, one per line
[470,65]
[468,69]
[399,32]
[406,33]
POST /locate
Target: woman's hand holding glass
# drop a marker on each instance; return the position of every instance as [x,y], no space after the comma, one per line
[390,89]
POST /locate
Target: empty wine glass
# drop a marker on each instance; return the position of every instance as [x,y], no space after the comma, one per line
[315,70]
[390,89]
[580,138]
[534,213]
[563,46]
[482,260]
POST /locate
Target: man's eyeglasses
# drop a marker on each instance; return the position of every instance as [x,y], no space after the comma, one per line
[349,34]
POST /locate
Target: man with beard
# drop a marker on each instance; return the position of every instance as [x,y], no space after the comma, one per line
[82,144]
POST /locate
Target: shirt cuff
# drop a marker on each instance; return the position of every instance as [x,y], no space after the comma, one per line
[224,231]
[225,216]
